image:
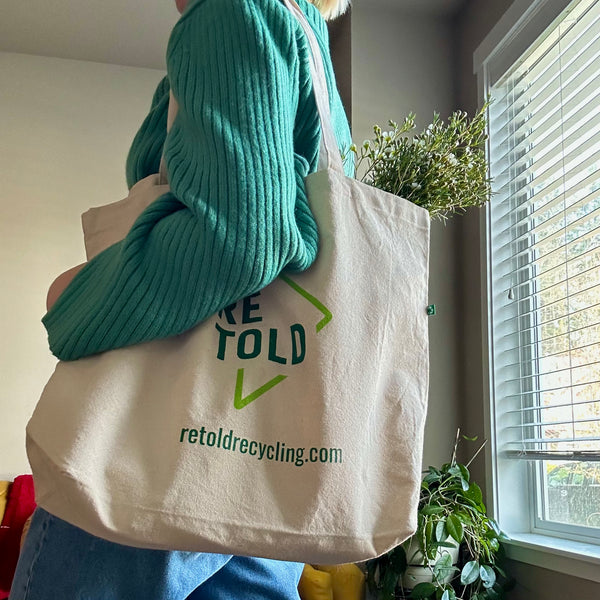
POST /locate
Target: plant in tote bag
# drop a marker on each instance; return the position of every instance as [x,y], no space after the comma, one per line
[442,169]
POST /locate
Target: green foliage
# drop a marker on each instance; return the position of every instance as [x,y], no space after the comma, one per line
[443,169]
[579,473]
[444,568]
[469,573]
[451,511]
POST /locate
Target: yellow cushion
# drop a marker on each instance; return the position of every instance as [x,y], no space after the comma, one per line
[315,585]
[347,581]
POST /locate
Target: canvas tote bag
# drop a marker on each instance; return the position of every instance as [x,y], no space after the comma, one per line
[288,426]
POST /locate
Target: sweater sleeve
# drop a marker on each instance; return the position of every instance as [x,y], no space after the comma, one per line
[228,227]
[146,150]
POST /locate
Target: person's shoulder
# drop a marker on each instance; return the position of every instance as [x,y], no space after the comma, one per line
[271,12]
[209,23]
[312,14]
[239,8]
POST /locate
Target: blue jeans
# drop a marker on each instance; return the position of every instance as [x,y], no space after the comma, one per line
[60,561]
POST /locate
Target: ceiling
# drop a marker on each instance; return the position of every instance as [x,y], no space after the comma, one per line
[124,32]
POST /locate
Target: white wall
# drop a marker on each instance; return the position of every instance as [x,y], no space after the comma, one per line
[402,61]
[66,130]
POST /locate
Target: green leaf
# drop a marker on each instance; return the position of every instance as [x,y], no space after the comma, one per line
[446,544]
[446,595]
[464,472]
[440,530]
[455,470]
[443,567]
[444,562]
[390,581]
[474,493]
[492,594]
[398,560]
[494,526]
[464,484]
[432,509]
[455,528]
[371,567]
[468,518]
[431,478]
[500,570]
[487,575]
[422,590]
[428,532]
[451,593]
[470,572]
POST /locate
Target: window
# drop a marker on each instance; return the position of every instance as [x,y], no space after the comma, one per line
[544,269]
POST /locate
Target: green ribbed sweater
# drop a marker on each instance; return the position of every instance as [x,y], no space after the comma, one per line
[245,137]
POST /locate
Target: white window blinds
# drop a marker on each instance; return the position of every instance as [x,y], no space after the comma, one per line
[544,151]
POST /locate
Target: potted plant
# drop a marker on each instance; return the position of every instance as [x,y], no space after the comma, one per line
[451,517]
[442,169]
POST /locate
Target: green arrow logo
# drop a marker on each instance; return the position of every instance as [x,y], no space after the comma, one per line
[240,402]
[327,316]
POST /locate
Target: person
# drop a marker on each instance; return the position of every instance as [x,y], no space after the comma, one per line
[246,135]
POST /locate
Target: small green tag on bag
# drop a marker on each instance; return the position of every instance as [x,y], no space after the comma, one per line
[431,310]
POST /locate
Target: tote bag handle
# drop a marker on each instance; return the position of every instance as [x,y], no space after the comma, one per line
[329,156]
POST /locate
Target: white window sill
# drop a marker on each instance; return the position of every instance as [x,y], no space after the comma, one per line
[580,559]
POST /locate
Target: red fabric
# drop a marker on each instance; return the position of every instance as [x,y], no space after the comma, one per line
[19,506]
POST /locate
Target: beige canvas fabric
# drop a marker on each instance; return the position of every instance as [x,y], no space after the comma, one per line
[288,426]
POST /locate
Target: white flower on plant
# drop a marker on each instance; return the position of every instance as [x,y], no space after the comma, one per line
[429,165]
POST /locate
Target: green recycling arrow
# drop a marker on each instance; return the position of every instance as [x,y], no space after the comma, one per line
[326,312]
[240,402]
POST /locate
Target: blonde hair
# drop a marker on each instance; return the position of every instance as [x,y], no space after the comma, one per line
[330,9]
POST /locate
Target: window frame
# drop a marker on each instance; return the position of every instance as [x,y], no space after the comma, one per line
[510,482]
